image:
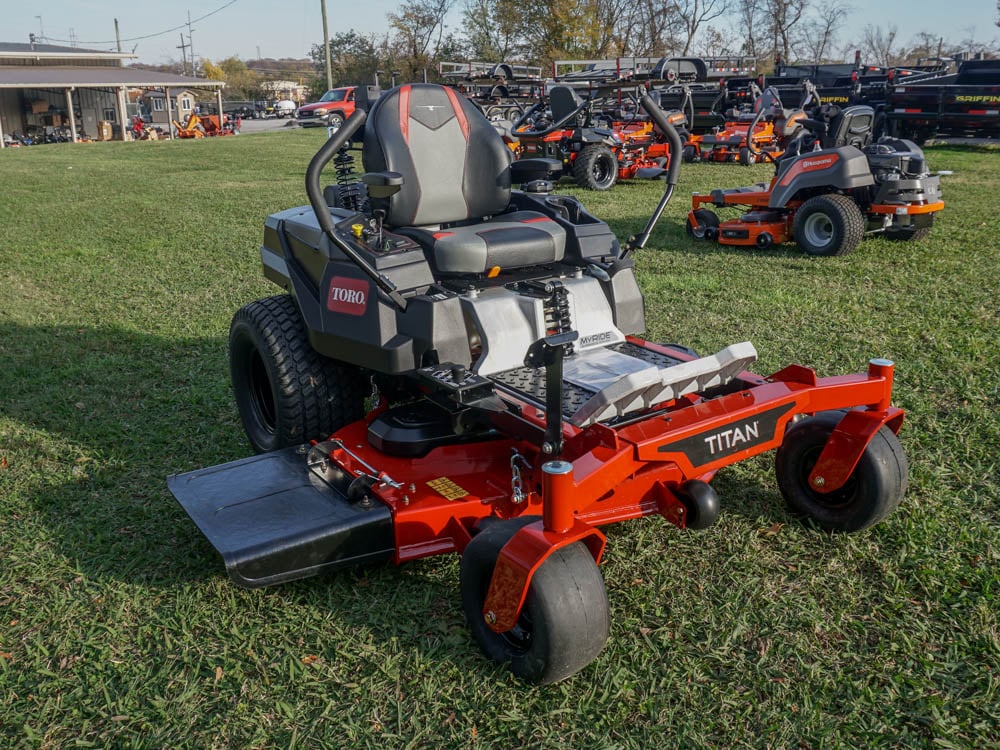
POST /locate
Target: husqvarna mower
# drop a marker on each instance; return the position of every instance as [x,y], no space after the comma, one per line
[455,366]
[832,186]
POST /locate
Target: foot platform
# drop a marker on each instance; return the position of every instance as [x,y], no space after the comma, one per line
[604,384]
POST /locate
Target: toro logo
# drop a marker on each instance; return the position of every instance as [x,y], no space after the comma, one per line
[348,296]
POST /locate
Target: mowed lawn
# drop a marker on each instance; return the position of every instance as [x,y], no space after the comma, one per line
[120,267]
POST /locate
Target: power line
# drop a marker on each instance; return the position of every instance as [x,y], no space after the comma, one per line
[151,36]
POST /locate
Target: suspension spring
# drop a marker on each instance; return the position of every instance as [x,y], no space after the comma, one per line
[557,315]
[352,192]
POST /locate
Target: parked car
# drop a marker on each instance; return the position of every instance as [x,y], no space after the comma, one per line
[284,108]
[335,106]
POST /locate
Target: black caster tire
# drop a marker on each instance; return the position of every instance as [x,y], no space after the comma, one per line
[828,225]
[565,620]
[287,393]
[701,504]
[871,493]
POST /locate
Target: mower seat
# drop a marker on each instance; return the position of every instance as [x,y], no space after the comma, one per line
[852,126]
[455,197]
[563,101]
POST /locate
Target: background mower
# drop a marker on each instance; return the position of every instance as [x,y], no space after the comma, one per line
[763,128]
[596,147]
[831,187]
[434,382]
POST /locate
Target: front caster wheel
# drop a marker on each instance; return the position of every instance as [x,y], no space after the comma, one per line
[870,494]
[564,623]
[700,502]
[705,224]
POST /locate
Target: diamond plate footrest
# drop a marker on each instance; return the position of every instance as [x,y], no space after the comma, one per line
[634,389]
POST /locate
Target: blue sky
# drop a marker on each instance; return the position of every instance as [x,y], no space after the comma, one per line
[289,28]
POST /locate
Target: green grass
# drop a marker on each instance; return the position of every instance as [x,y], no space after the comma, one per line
[120,266]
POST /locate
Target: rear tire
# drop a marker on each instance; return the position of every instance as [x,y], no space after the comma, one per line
[565,621]
[596,167]
[829,225]
[871,493]
[287,393]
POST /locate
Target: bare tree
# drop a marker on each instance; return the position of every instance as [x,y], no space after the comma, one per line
[419,29]
[648,28]
[819,31]
[693,14]
[877,46]
[748,20]
[496,29]
[781,17]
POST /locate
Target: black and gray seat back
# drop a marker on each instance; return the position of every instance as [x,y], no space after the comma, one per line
[456,192]
[563,101]
[851,127]
[455,165]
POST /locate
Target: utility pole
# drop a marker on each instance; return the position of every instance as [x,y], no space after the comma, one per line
[326,49]
[183,48]
[194,67]
[118,36]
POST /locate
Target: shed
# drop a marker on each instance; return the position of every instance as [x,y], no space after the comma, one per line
[44,86]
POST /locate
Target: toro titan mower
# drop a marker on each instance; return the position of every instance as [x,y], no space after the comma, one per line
[455,368]
[597,149]
[831,187]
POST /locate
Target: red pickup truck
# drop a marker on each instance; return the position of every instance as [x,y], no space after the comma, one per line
[335,106]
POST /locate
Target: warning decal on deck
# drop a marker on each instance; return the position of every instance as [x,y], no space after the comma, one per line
[447,488]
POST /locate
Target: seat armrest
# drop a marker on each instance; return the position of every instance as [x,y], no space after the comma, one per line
[526,170]
[382,184]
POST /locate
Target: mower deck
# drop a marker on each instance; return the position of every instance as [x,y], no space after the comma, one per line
[631,443]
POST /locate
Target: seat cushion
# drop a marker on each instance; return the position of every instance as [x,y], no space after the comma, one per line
[512,240]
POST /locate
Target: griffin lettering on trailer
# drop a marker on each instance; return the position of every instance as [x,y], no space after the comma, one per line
[989,99]
[711,445]
[348,296]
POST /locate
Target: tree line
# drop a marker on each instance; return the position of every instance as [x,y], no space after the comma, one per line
[417,36]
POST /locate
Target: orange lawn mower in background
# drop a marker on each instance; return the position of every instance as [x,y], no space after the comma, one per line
[750,133]
[831,187]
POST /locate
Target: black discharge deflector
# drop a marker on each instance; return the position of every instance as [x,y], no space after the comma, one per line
[275,518]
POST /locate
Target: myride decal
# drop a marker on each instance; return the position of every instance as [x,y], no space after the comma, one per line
[348,296]
[729,439]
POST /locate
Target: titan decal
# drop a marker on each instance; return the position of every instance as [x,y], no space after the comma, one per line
[712,445]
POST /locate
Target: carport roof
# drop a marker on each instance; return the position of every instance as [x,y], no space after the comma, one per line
[62,77]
